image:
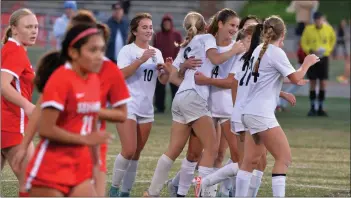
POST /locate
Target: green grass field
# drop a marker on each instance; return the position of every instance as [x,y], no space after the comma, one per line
[334,10]
[320,150]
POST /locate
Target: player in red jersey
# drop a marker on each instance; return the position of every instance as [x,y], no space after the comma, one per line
[113,90]
[70,105]
[16,87]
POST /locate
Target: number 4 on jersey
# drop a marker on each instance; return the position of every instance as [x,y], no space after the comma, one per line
[215,72]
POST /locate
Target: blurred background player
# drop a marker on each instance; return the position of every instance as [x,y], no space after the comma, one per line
[17,75]
[318,38]
[118,24]
[343,41]
[60,25]
[165,40]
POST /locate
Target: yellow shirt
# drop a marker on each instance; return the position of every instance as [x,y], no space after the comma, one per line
[313,39]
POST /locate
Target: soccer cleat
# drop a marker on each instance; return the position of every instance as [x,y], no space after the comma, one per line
[114,192]
[321,112]
[197,186]
[209,191]
[172,189]
[312,112]
[147,194]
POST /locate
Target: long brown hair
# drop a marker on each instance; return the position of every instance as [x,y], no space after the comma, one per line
[134,24]
[14,18]
[273,29]
[223,15]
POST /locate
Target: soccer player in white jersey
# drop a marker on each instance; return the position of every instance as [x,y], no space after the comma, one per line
[270,65]
[190,105]
[141,65]
[223,26]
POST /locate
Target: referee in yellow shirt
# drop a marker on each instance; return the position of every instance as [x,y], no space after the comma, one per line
[318,38]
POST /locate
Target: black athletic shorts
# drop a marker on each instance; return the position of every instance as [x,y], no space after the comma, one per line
[319,70]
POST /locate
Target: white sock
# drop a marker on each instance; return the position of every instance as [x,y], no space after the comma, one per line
[222,174]
[255,183]
[278,186]
[119,169]
[242,183]
[204,171]
[175,180]
[164,164]
[129,177]
[226,185]
[233,180]
[186,176]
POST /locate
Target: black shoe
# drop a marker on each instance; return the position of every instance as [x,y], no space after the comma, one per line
[321,112]
[312,112]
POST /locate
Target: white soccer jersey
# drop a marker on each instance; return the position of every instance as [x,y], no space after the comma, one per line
[263,95]
[220,101]
[197,48]
[142,83]
[241,73]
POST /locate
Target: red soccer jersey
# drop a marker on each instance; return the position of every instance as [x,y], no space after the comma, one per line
[113,89]
[78,100]
[14,60]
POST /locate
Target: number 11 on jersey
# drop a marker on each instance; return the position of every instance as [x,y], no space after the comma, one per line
[87,125]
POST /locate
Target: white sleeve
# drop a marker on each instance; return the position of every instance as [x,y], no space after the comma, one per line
[159,56]
[124,58]
[179,59]
[209,41]
[233,63]
[282,63]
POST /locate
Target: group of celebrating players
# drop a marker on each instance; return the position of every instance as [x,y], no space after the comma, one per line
[228,91]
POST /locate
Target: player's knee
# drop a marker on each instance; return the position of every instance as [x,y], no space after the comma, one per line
[129,151]
[193,156]
[220,156]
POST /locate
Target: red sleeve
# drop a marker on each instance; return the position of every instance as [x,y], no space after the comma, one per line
[13,62]
[55,91]
[118,93]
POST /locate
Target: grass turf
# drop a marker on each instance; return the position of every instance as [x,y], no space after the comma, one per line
[320,149]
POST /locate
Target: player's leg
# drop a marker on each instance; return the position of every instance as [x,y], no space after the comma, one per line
[312,74]
[187,170]
[84,189]
[3,161]
[277,144]
[180,133]
[100,183]
[323,77]
[143,131]
[127,132]
[9,154]
[38,191]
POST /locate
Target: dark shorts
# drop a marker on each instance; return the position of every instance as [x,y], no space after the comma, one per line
[299,29]
[319,70]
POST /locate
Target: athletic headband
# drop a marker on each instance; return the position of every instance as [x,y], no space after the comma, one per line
[83,34]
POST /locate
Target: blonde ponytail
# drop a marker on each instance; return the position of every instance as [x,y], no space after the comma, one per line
[273,29]
[194,23]
[8,34]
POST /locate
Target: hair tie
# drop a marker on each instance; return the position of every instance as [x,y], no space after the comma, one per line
[83,34]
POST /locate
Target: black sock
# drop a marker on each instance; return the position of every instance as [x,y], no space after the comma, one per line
[321,98]
[277,174]
[312,98]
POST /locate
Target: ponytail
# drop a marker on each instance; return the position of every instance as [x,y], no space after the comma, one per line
[213,27]
[194,23]
[191,32]
[8,34]
[46,66]
[255,40]
[105,30]
[267,39]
